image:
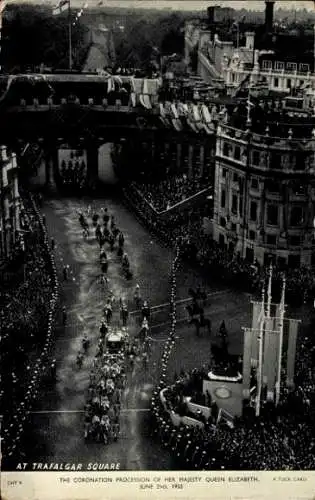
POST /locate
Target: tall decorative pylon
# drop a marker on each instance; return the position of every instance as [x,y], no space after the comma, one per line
[281,320]
[269,291]
[263,347]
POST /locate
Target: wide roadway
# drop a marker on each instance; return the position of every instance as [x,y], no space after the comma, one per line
[58,419]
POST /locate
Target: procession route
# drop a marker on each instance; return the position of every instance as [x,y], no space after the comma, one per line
[126,410]
[179,302]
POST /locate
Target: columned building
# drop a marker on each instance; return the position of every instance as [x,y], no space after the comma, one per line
[10,204]
[193,157]
[264,205]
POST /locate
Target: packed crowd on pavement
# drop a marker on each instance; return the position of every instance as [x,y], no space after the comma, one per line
[26,321]
[281,438]
[186,228]
[167,193]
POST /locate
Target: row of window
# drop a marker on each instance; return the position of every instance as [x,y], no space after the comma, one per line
[293,260]
[271,239]
[281,65]
[296,213]
[227,148]
[288,83]
[271,186]
[277,160]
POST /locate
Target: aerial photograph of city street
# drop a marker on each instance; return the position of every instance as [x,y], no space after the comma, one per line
[157,235]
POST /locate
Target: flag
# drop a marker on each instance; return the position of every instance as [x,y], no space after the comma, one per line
[61,7]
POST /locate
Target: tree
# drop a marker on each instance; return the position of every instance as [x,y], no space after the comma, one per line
[32,36]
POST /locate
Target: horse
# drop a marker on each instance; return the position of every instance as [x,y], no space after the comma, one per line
[121,239]
[144,330]
[192,293]
[103,255]
[82,220]
[111,241]
[125,260]
[108,313]
[95,218]
[137,297]
[192,310]
[104,266]
[98,232]
[79,360]
[124,315]
[85,343]
[201,322]
[145,360]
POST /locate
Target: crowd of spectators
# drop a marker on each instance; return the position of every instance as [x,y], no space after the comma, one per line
[28,305]
[186,229]
[281,438]
[166,193]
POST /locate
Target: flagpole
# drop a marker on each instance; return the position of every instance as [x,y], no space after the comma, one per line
[70,35]
[259,374]
[269,291]
[280,347]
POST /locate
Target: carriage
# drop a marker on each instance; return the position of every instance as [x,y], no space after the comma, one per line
[115,341]
[106,384]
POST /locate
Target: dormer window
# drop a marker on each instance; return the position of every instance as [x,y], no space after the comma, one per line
[267,64]
[279,65]
[291,66]
[304,67]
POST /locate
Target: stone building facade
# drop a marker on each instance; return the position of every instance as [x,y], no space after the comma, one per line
[10,205]
[264,205]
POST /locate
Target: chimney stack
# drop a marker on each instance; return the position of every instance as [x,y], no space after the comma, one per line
[269,15]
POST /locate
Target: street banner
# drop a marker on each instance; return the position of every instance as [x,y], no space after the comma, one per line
[293,332]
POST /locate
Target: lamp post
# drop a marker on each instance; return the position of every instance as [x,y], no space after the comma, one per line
[3,4]
[70,35]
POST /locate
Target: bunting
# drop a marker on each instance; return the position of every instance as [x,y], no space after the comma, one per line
[62,6]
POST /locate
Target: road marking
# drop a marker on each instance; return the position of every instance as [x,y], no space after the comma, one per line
[56,411]
[126,410]
[182,301]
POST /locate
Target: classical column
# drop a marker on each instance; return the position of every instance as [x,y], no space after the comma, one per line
[190,161]
[16,195]
[8,226]
[247,362]
[92,163]
[178,156]
[202,160]
[153,153]
[51,165]
[256,313]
